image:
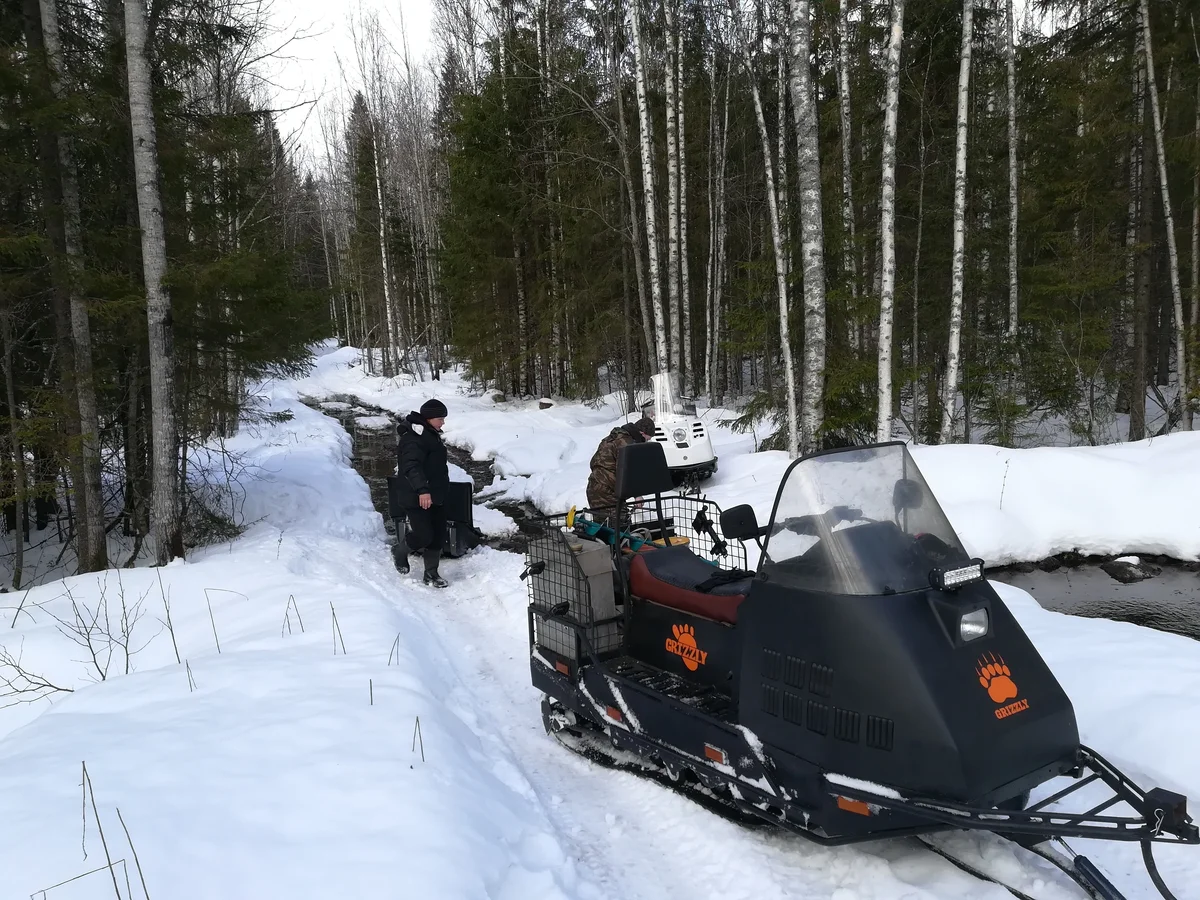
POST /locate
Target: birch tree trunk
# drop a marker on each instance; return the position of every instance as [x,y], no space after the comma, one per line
[887,210]
[433,245]
[544,74]
[634,228]
[685,293]
[1195,320]
[950,391]
[716,278]
[781,180]
[389,358]
[916,331]
[785,341]
[333,310]
[168,537]
[710,265]
[676,336]
[660,326]
[848,246]
[91,541]
[1172,249]
[712,233]
[812,230]
[630,396]
[1013,200]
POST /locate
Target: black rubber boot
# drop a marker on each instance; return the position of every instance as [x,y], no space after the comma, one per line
[400,548]
[400,556]
[432,558]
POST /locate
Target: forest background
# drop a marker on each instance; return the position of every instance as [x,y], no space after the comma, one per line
[950,220]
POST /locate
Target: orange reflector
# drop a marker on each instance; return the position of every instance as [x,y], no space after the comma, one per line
[716,754]
[614,713]
[563,667]
[854,806]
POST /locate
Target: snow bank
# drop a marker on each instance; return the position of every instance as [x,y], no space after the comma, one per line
[1007,505]
[1025,505]
[1011,505]
[272,762]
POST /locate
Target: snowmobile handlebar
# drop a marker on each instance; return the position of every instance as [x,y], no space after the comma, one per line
[810,524]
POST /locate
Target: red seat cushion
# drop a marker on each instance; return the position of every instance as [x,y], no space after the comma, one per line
[669,576]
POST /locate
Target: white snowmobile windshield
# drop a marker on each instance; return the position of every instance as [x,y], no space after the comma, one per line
[668,396]
[859,521]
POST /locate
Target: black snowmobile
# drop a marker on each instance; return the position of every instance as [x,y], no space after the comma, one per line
[863,682]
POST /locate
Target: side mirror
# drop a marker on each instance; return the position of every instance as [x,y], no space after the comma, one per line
[740,523]
[907,494]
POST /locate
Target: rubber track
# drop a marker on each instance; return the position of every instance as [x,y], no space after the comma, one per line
[595,749]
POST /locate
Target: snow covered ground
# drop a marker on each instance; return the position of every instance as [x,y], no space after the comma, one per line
[282,757]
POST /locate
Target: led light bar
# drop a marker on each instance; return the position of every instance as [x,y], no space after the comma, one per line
[951,579]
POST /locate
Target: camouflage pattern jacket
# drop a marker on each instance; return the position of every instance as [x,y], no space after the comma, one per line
[602,483]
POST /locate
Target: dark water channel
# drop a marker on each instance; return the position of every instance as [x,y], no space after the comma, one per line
[1167,601]
[1166,598]
[374,458]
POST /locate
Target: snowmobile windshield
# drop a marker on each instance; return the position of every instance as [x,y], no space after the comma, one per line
[859,521]
[668,396]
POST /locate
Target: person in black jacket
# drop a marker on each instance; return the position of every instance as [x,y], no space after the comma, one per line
[424,481]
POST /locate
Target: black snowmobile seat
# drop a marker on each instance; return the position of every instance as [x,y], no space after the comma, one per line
[642,471]
[678,578]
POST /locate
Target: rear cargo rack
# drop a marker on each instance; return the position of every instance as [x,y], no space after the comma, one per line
[573,578]
[571,590]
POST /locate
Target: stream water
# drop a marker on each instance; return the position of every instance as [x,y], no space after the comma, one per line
[1168,600]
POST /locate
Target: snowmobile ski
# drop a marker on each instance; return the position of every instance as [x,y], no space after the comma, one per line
[1079,869]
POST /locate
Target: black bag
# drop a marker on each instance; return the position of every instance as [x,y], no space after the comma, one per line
[461,534]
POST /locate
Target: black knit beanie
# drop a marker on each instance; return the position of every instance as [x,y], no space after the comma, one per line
[433,409]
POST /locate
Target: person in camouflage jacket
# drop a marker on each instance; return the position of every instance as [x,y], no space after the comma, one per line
[602,483]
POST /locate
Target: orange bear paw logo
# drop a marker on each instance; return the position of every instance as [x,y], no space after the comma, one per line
[996,678]
[685,634]
[685,647]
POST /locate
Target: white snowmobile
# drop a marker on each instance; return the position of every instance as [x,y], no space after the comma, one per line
[682,434]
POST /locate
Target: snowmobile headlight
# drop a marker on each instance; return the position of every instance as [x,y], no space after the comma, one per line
[951,579]
[973,625]
[679,435]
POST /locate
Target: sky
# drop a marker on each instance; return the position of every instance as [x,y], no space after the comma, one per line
[307,69]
